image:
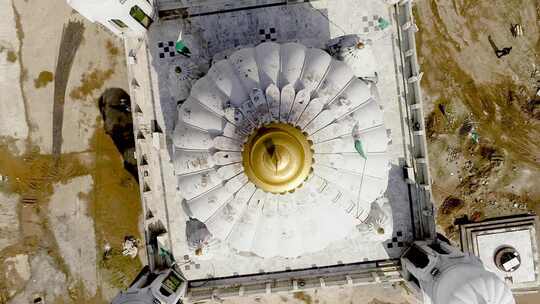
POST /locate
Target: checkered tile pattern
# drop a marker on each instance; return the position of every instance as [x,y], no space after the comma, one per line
[371,23]
[166,49]
[397,241]
[268,34]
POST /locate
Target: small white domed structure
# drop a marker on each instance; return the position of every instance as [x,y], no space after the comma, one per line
[280,150]
[463,284]
[448,276]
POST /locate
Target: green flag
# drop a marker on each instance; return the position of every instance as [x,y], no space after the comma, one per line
[359,148]
[383,23]
[181,48]
[475,137]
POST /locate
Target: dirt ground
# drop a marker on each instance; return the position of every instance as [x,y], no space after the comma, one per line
[63,182]
[469,92]
[483,121]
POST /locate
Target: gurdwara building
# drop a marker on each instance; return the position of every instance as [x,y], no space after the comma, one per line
[281,147]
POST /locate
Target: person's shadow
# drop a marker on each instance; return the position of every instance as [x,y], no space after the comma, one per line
[498,52]
[493,45]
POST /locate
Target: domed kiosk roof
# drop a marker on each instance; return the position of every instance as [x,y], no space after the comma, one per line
[471,285]
[280,150]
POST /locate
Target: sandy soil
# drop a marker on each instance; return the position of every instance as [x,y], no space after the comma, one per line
[92,65]
[73,229]
[9,232]
[468,90]
[58,212]
[12,109]
[46,282]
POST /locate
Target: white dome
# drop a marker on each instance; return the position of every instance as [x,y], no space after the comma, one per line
[469,284]
[361,60]
[309,90]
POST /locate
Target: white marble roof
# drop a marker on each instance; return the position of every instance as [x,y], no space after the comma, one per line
[256,88]
[205,139]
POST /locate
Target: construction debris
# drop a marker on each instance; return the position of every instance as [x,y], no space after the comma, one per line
[340,45]
[106,251]
[130,247]
[516,30]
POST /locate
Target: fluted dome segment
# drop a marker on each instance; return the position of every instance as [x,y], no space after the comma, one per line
[464,284]
[283,115]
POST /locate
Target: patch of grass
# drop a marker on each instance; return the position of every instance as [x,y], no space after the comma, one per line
[33,174]
[90,82]
[11,56]
[112,49]
[43,79]
[114,202]
[116,208]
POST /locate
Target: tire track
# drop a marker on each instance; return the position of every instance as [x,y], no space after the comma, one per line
[72,36]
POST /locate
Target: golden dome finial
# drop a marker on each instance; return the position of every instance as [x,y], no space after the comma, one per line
[277,158]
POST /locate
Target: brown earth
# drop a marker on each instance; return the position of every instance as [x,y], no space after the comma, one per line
[306,298]
[115,192]
[470,92]
[483,125]
[34,174]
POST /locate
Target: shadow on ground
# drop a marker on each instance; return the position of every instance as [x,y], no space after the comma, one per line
[115,108]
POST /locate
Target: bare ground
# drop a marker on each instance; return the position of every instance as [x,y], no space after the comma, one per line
[469,90]
[46,198]
[471,94]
